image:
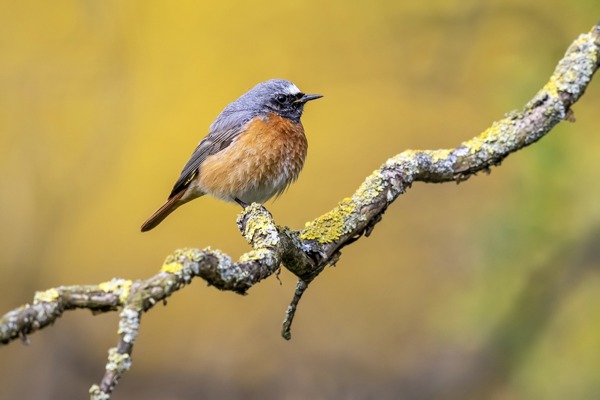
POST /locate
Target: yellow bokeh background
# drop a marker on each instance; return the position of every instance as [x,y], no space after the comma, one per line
[481,290]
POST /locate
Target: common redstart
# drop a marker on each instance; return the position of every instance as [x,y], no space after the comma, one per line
[254,150]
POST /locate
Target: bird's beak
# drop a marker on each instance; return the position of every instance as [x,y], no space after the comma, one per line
[308,97]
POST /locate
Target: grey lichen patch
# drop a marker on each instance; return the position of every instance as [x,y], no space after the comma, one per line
[571,76]
[252,262]
[189,259]
[227,270]
[185,254]
[184,262]
[7,327]
[495,142]
[575,70]
[405,161]
[258,255]
[370,189]
[12,321]
[443,161]
[259,228]
[400,171]
[118,362]
[214,266]
[97,394]
[129,324]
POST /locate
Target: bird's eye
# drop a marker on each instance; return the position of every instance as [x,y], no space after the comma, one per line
[281,98]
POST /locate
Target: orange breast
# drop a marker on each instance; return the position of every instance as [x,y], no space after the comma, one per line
[259,164]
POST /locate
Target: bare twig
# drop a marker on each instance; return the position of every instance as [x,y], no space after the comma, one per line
[286,330]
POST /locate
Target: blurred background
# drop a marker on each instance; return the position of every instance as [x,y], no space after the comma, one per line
[484,290]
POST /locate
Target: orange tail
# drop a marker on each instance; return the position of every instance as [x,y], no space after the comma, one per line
[163,212]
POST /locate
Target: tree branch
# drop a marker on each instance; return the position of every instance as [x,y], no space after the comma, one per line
[307,252]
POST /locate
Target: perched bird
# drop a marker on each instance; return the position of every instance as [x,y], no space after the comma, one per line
[254,150]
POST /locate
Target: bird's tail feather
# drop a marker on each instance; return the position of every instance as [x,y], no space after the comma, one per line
[162,213]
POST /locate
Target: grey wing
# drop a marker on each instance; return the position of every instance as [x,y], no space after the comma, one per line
[223,131]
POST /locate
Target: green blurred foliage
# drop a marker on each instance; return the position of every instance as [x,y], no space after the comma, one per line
[481,290]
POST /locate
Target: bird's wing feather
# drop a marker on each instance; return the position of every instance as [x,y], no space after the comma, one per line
[223,131]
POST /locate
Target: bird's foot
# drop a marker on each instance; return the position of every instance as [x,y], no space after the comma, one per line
[241,203]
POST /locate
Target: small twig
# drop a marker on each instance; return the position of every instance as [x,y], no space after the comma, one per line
[286,330]
[119,358]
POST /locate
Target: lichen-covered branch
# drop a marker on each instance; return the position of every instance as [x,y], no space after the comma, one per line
[50,304]
[358,214]
[307,252]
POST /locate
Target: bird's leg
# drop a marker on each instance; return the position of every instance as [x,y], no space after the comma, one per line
[241,203]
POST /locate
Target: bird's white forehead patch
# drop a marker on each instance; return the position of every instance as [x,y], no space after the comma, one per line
[292,89]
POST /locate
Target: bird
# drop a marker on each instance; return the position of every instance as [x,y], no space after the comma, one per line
[254,150]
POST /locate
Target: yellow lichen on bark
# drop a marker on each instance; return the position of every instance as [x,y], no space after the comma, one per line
[46,296]
[330,226]
[171,267]
[120,287]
